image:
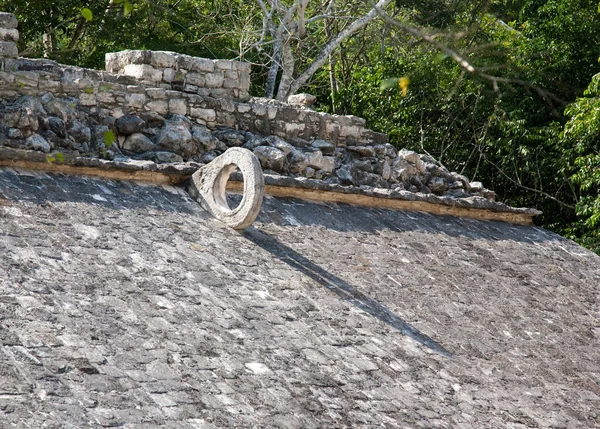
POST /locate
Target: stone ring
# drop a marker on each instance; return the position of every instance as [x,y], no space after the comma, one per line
[208,186]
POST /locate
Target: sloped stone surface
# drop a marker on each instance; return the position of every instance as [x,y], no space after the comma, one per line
[127,305]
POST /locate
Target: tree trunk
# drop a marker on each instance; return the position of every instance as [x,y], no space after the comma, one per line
[287,68]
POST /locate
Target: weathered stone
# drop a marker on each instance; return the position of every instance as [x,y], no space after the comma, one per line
[318,161]
[297,161]
[8,50]
[57,126]
[230,136]
[365,151]
[326,147]
[207,115]
[279,143]
[167,157]
[414,158]
[178,139]
[37,142]
[138,143]
[9,34]
[153,119]
[80,132]
[142,72]
[129,124]
[438,185]
[270,158]
[208,186]
[302,99]
[180,120]
[204,138]
[8,20]
[369,179]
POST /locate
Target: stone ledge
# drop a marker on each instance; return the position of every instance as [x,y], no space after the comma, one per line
[278,186]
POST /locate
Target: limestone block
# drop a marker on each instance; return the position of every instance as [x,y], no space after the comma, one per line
[195,79]
[163,59]
[169,75]
[208,187]
[157,93]
[195,64]
[159,106]
[214,80]
[49,85]
[143,72]
[302,99]
[105,98]
[190,89]
[177,106]
[350,131]
[208,115]
[26,79]
[9,34]
[230,83]
[135,100]
[223,64]
[87,99]
[317,160]
[8,20]
[243,108]
[414,158]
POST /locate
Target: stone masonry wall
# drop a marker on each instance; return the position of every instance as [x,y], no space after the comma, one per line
[169,70]
[169,108]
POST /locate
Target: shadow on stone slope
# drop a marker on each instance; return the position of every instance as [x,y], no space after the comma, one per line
[40,188]
[349,218]
[340,287]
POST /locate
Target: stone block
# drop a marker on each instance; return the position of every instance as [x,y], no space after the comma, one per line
[192,89]
[105,98]
[223,64]
[157,93]
[49,85]
[196,64]
[143,72]
[169,74]
[8,50]
[214,80]
[8,20]
[87,99]
[163,59]
[220,93]
[26,79]
[195,79]
[135,100]
[230,83]
[208,115]
[159,106]
[9,34]
[177,106]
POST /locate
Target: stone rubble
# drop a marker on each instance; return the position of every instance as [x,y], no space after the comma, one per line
[142,108]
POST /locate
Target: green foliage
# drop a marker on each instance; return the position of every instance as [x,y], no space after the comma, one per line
[582,131]
[109,138]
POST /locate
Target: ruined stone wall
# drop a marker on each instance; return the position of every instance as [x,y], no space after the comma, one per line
[167,108]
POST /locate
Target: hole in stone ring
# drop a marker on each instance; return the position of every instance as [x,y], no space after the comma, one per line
[228,187]
[234,190]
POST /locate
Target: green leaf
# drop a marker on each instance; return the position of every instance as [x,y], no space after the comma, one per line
[109,138]
[127,8]
[388,83]
[50,159]
[60,157]
[87,14]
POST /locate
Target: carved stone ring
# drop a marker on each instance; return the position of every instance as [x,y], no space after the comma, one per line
[208,187]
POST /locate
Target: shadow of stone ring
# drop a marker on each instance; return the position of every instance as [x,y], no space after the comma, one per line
[208,187]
